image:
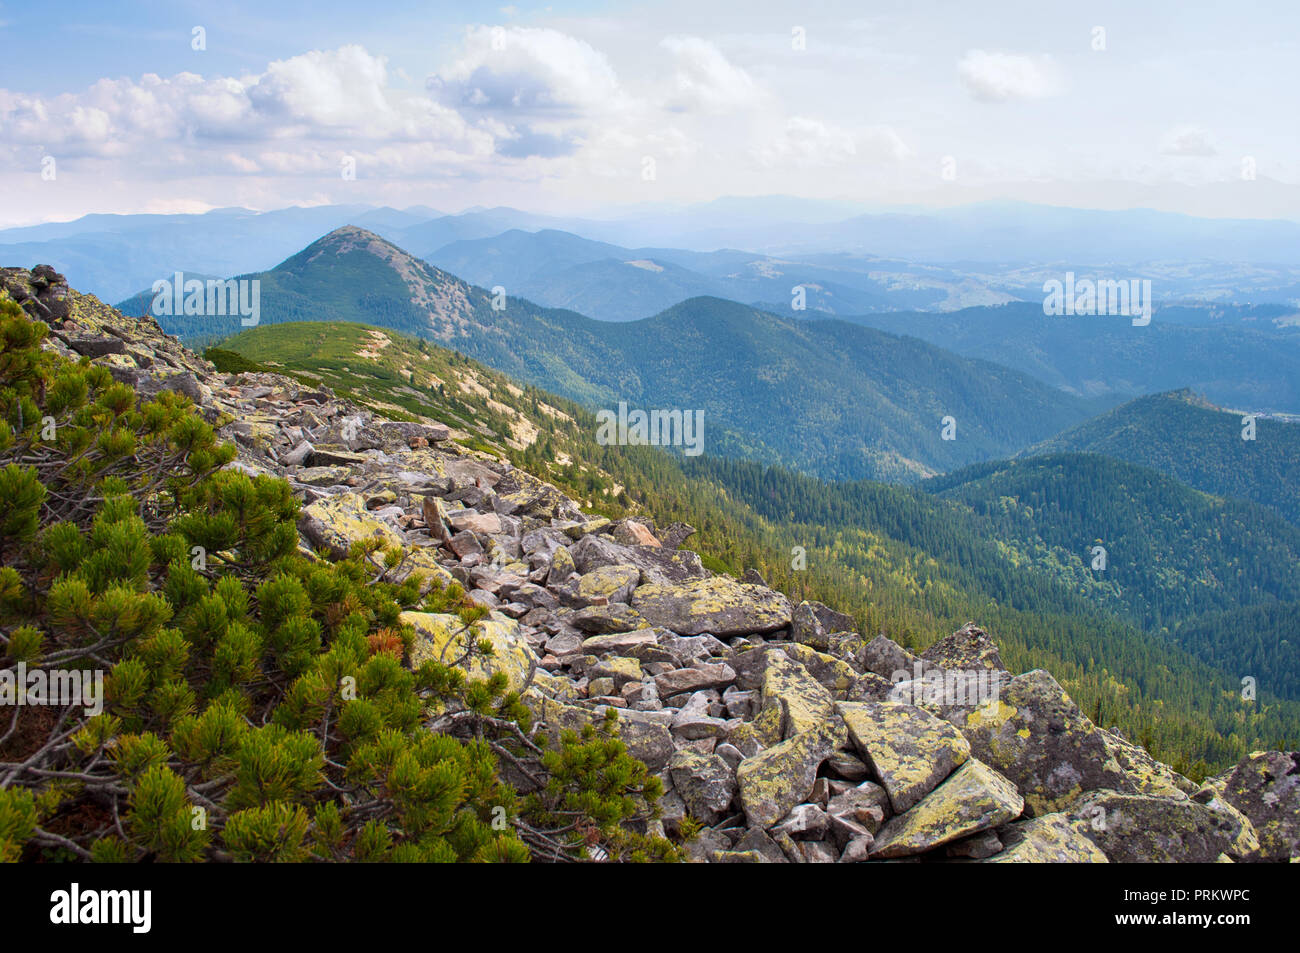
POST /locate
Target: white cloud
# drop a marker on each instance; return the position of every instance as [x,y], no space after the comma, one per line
[528,71]
[1000,77]
[705,80]
[806,142]
[540,90]
[314,99]
[1188,141]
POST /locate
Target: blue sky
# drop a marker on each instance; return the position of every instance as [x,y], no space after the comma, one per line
[587,107]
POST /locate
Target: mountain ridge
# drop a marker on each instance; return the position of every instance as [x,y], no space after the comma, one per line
[557,575]
[843,388]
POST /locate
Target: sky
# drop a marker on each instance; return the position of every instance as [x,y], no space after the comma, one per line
[599,108]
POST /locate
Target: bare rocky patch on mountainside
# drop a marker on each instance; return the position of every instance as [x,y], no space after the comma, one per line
[781,735]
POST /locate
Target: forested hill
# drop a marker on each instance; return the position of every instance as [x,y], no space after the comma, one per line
[837,400]
[1171,553]
[1206,447]
[901,561]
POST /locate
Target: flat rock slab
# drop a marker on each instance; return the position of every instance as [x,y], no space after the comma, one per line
[1036,735]
[620,643]
[718,605]
[974,799]
[909,750]
[1050,839]
[703,675]
[1141,829]
[776,779]
[803,702]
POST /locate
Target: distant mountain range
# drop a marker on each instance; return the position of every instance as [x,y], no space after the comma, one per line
[1237,364]
[835,399]
[855,259]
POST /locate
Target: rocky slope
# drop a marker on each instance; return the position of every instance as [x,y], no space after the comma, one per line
[781,736]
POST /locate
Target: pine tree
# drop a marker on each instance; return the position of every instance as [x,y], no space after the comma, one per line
[258,707]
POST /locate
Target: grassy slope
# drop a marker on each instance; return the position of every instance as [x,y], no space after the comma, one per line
[900,560]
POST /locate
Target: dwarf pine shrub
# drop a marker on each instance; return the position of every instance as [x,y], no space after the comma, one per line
[257,705]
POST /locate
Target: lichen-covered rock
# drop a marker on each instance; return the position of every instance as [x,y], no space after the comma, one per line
[1142,829]
[1036,735]
[705,782]
[910,751]
[645,740]
[1245,841]
[618,668]
[885,657]
[1049,839]
[812,623]
[835,674]
[602,585]
[1145,773]
[803,702]
[756,839]
[974,798]
[776,779]
[658,565]
[761,732]
[718,605]
[442,637]
[562,567]
[613,618]
[969,648]
[335,523]
[1265,786]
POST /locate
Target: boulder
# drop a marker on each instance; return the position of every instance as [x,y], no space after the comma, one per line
[600,586]
[705,782]
[442,637]
[835,674]
[634,533]
[562,566]
[474,522]
[619,643]
[812,624]
[1049,839]
[657,564]
[1141,829]
[968,648]
[975,798]
[776,779]
[335,523]
[1265,786]
[909,750]
[1036,735]
[718,605]
[703,675]
[885,657]
[804,703]
[616,616]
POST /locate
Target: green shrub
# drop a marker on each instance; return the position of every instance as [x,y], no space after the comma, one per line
[257,707]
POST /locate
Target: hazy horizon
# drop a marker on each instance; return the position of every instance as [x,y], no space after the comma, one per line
[567,109]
